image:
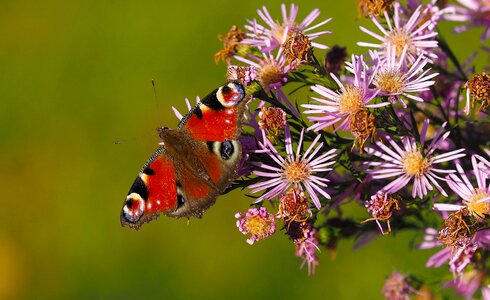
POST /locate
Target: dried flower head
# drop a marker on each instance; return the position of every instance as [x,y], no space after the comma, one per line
[256,222]
[369,8]
[272,120]
[455,228]
[334,61]
[293,207]
[231,42]
[297,47]
[478,89]
[362,125]
[382,206]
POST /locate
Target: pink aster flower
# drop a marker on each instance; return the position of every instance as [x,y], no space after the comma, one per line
[274,33]
[468,283]
[296,169]
[477,200]
[244,74]
[405,33]
[337,106]
[256,222]
[475,12]
[461,256]
[307,246]
[396,287]
[189,107]
[271,71]
[430,11]
[485,292]
[483,164]
[412,163]
[394,78]
[458,255]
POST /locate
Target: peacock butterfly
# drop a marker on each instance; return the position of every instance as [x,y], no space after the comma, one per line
[194,164]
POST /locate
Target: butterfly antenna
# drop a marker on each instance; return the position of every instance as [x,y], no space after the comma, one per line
[156,99]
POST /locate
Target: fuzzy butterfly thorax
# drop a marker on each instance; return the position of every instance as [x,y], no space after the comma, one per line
[195,164]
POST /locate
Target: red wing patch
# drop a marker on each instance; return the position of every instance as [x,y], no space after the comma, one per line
[161,184]
[195,189]
[215,125]
[213,167]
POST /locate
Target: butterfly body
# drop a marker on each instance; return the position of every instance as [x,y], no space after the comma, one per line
[195,164]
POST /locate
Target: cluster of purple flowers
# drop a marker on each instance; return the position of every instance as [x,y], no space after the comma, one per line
[382,129]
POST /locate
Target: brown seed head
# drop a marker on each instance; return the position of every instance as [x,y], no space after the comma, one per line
[297,47]
[479,87]
[369,8]
[362,125]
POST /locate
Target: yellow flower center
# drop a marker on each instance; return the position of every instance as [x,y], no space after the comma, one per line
[296,172]
[351,100]
[390,81]
[270,73]
[257,225]
[399,38]
[415,164]
[479,208]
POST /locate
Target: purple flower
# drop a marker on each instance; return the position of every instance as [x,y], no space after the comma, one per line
[431,11]
[412,163]
[295,169]
[468,283]
[475,12]
[476,200]
[244,74]
[256,222]
[405,33]
[393,78]
[274,33]
[271,71]
[337,106]
[461,256]
[189,107]
[396,287]
[307,246]
[485,292]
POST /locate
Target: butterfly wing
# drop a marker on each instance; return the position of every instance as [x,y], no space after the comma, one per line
[181,179]
[218,116]
[154,191]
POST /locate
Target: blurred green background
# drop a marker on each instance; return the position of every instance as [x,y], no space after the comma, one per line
[75,76]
